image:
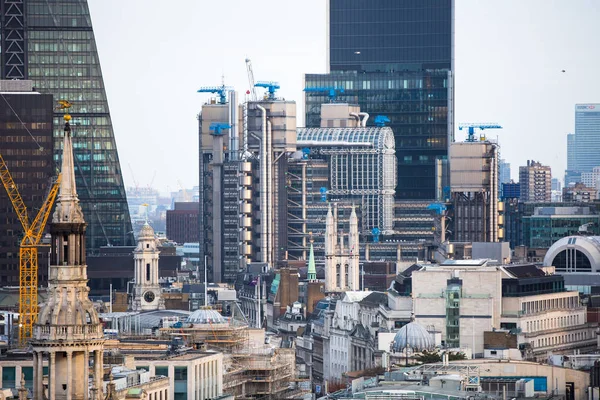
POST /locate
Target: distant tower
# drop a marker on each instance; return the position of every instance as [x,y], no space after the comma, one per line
[68,329]
[341,263]
[146,290]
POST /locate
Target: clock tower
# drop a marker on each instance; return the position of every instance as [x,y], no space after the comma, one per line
[146,289]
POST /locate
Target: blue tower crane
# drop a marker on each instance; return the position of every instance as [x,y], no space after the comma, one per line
[218,127]
[270,86]
[439,208]
[220,90]
[381,120]
[472,126]
[332,92]
[375,232]
[323,192]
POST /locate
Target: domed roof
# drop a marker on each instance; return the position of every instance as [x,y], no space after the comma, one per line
[146,232]
[206,316]
[588,245]
[413,336]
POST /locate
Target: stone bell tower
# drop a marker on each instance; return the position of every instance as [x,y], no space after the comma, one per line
[68,330]
[146,290]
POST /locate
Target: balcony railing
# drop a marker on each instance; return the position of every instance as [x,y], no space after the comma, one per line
[76,332]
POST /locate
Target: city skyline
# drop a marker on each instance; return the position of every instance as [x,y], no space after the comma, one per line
[536,120]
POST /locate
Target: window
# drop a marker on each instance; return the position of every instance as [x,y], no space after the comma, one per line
[147,272]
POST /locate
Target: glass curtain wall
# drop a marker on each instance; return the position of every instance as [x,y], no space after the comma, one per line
[63,60]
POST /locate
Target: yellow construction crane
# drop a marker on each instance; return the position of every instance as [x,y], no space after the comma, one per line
[28,251]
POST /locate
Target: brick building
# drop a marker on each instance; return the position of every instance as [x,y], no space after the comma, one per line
[182,223]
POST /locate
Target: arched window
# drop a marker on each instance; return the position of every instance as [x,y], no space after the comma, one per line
[572,260]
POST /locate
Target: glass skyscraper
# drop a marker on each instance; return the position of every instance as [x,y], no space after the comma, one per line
[583,147]
[394,58]
[52,43]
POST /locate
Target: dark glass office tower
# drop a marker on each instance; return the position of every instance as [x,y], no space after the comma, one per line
[52,43]
[394,58]
[26,147]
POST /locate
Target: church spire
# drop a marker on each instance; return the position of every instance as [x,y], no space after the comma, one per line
[68,209]
[312,269]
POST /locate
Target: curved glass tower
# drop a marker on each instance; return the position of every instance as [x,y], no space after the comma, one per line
[52,43]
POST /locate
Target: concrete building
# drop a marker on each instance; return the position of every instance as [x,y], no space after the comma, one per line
[474,192]
[242,182]
[546,318]
[182,222]
[535,180]
[125,383]
[341,262]
[146,288]
[580,193]
[591,179]
[29,160]
[68,330]
[464,299]
[489,378]
[194,375]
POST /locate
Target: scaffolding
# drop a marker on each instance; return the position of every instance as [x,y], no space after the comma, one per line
[263,375]
[228,337]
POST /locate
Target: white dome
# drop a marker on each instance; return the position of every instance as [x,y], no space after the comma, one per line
[563,254]
[146,232]
[413,336]
[207,316]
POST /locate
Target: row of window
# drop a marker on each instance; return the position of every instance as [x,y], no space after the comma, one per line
[24,125]
[552,323]
[537,306]
[63,72]
[560,339]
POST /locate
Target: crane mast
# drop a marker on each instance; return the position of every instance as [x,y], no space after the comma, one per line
[251,80]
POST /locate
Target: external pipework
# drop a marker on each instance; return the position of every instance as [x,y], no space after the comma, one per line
[365,118]
[263,185]
[234,147]
[304,209]
[245,153]
[357,117]
[270,223]
[494,195]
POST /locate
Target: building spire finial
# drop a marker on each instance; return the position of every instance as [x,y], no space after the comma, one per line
[67,204]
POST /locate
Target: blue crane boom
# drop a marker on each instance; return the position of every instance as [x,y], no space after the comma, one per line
[270,86]
[381,120]
[332,92]
[220,90]
[472,126]
[218,127]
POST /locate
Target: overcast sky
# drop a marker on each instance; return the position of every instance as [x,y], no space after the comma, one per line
[509,60]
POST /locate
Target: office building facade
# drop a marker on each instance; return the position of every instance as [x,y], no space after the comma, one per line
[535,180]
[394,58]
[474,192]
[182,223]
[583,147]
[26,146]
[53,44]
